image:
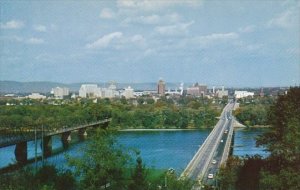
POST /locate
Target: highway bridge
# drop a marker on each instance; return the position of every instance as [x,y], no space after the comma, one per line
[213,152]
[21,139]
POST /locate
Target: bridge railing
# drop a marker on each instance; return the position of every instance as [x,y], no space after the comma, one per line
[188,169]
[13,138]
[228,144]
[76,127]
[205,168]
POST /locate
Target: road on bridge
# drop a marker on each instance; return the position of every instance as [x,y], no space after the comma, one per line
[208,158]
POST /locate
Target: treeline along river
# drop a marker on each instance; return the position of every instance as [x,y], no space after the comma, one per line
[159,149]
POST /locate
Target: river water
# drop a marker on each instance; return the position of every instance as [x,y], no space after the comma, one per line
[159,149]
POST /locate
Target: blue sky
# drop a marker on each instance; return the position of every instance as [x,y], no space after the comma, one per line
[232,43]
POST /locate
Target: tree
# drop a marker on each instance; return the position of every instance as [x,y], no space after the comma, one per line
[139,175]
[228,175]
[103,163]
[283,138]
[249,174]
[283,142]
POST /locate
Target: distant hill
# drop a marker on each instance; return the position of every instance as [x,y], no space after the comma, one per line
[45,87]
[27,87]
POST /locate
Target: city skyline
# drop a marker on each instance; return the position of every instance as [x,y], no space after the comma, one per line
[233,43]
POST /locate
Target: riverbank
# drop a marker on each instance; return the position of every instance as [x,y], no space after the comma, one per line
[134,130]
[253,127]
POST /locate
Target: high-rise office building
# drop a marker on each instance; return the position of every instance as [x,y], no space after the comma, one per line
[161,87]
[89,91]
[128,92]
[59,92]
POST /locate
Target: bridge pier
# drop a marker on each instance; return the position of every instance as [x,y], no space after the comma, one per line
[21,152]
[47,146]
[82,134]
[65,139]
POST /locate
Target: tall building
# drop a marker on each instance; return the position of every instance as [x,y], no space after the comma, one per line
[197,90]
[59,92]
[111,91]
[89,91]
[161,87]
[261,94]
[93,91]
[128,93]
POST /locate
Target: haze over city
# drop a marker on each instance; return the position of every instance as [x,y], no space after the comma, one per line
[232,43]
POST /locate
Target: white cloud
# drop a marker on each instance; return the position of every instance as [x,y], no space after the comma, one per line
[104,41]
[151,19]
[214,38]
[150,5]
[176,29]
[107,13]
[138,40]
[43,57]
[154,19]
[173,17]
[247,29]
[53,27]
[13,24]
[149,52]
[11,38]
[286,19]
[219,36]
[253,47]
[35,41]
[293,51]
[40,28]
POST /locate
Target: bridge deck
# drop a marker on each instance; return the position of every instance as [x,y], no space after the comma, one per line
[212,149]
[30,136]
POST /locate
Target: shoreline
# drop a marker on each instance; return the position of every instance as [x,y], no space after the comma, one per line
[130,130]
[253,127]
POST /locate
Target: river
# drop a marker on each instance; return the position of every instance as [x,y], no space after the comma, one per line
[159,149]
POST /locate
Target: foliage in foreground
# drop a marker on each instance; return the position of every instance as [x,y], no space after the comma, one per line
[103,163]
[47,177]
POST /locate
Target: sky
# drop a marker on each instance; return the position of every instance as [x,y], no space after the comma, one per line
[232,43]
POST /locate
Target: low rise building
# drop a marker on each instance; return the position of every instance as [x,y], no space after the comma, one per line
[221,93]
[197,90]
[36,96]
[243,94]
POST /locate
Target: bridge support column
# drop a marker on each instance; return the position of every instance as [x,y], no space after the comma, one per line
[21,152]
[65,139]
[47,146]
[82,134]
